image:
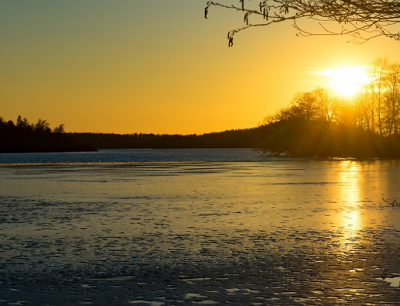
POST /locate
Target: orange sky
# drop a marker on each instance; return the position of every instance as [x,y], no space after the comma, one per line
[156,66]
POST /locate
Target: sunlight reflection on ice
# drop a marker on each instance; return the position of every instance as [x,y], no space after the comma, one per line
[203,233]
[351,220]
[393,281]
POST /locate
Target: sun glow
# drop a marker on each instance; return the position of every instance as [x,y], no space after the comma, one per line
[347,80]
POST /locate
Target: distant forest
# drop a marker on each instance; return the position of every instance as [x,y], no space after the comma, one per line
[245,138]
[315,124]
[39,137]
[318,123]
[297,131]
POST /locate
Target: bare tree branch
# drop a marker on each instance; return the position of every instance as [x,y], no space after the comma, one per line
[394,203]
[362,20]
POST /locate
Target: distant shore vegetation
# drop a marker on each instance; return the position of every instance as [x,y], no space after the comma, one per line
[318,124]
[322,123]
[241,138]
[23,136]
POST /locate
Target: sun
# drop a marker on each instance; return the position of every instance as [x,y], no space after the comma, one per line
[347,80]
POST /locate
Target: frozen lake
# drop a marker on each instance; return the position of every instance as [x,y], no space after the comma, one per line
[182,227]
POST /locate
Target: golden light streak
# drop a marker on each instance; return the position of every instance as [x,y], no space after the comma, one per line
[350,217]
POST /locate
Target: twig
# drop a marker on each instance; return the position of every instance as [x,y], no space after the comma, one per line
[394,203]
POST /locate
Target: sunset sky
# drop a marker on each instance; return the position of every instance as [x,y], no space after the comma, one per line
[127,66]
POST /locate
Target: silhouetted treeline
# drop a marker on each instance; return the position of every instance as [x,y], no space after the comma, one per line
[313,138]
[245,138]
[319,124]
[316,123]
[25,137]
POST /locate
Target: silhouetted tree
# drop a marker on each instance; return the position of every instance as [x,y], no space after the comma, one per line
[392,94]
[322,124]
[361,20]
[23,137]
[306,105]
[23,124]
[377,88]
[42,126]
[59,129]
